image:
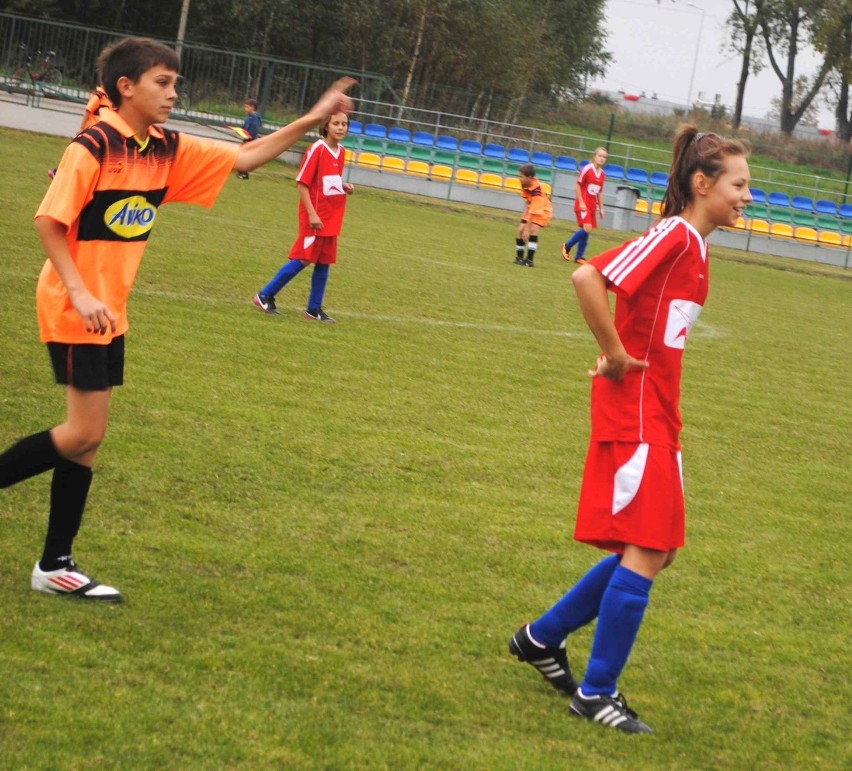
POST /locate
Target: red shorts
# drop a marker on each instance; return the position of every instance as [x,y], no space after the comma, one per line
[316,249]
[591,217]
[631,494]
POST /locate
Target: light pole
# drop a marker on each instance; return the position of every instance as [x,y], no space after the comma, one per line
[184,12]
[695,59]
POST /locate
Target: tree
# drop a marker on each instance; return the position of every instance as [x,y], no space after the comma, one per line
[744,25]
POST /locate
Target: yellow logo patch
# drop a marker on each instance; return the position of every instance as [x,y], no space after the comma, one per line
[130,217]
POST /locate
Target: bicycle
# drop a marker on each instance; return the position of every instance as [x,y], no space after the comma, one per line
[183,102]
[47,73]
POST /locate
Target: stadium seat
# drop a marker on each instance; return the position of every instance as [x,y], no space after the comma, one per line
[845,210]
[638,175]
[491,181]
[804,219]
[470,146]
[467,176]
[757,211]
[393,163]
[444,158]
[396,149]
[494,151]
[492,166]
[542,159]
[761,227]
[417,168]
[613,171]
[777,199]
[805,234]
[641,206]
[518,155]
[824,206]
[802,202]
[657,194]
[513,184]
[468,162]
[757,195]
[423,138]
[781,230]
[447,143]
[442,173]
[355,127]
[565,163]
[846,226]
[375,130]
[420,153]
[657,208]
[779,214]
[830,238]
[582,164]
[396,134]
[824,222]
[659,178]
[372,145]
[740,224]
[350,155]
[369,160]
[544,175]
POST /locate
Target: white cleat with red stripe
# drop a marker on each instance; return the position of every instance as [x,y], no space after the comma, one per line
[71,582]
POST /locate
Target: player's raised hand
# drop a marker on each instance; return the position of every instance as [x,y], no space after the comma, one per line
[336,98]
[616,369]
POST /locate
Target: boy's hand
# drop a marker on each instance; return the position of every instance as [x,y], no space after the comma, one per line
[335,99]
[96,315]
[616,369]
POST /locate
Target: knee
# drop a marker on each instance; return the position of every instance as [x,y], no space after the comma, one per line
[670,558]
[74,441]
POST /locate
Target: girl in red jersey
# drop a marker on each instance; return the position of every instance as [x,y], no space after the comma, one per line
[588,202]
[631,501]
[322,202]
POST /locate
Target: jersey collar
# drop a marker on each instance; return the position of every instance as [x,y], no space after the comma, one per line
[115,120]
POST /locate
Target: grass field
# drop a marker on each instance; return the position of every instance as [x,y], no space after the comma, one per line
[326,534]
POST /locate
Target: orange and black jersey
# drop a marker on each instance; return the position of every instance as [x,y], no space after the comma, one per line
[106,193]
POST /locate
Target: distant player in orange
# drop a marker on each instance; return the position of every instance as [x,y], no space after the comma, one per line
[93,224]
[588,203]
[98,100]
[537,215]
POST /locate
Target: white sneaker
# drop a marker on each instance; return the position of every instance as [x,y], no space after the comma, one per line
[70,581]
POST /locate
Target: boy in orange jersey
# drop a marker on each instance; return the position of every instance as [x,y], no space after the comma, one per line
[537,215]
[93,224]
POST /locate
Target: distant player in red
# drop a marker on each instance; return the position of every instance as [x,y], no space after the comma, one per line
[322,203]
[537,214]
[631,501]
[588,202]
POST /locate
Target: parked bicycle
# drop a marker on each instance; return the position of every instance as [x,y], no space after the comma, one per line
[46,72]
[183,103]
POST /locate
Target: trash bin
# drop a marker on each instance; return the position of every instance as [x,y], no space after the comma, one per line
[625,205]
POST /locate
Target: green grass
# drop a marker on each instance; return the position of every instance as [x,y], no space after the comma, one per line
[327,533]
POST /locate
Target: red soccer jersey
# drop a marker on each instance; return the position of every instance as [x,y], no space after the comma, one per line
[660,280]
[322,172]
[591,184]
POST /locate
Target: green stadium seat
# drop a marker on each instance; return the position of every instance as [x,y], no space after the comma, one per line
[396,150]
[780,214]
[824,222]
[420,153]
[372,145]
[804,219]
[444,158]
[757,211]
[493,166]
[468,162]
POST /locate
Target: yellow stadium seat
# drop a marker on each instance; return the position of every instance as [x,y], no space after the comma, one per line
[467,176]
[417,168]
[491,181]
[656,208]
[847,241]
[369,160]
[830,238]
[442,173]
[393,164]
[806,234]
[740,223]
[513,184]
[781,230]
[641,206]
[759,226]
[349,155]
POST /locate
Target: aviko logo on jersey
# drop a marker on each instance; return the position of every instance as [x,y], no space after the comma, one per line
[130,217]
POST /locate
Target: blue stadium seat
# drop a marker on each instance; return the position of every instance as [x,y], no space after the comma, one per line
[445,142]
[777,199]
[470,146]
[582,164]
[423,138]
[396,134]
[637,175]
[659,178]
[845,210]
[757,195]
[494,151]
[824,206]
[375,130]
[542,159]
[355,127]
[614,171]
[566,163]
[802,202]
[518,155]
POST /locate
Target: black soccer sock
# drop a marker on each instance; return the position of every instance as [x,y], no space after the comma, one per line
[532,247]
[519,248]
[32,455]
[68,493]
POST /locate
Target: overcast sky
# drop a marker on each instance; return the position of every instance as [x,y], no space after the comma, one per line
[655,47]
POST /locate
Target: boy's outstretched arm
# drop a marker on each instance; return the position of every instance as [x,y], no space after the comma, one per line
[263,149]
[615,362]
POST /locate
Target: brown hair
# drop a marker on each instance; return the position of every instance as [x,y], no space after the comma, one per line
[694,151]
[528,170]
[132,57]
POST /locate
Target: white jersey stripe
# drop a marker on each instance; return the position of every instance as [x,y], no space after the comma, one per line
[632,255]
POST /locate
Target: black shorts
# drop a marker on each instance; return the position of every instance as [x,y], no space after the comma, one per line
[88,367]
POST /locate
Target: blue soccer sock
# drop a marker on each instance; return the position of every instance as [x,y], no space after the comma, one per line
[622,608]
[288,271]
[582,242]
[574,239]
[319,278]
[578,607]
